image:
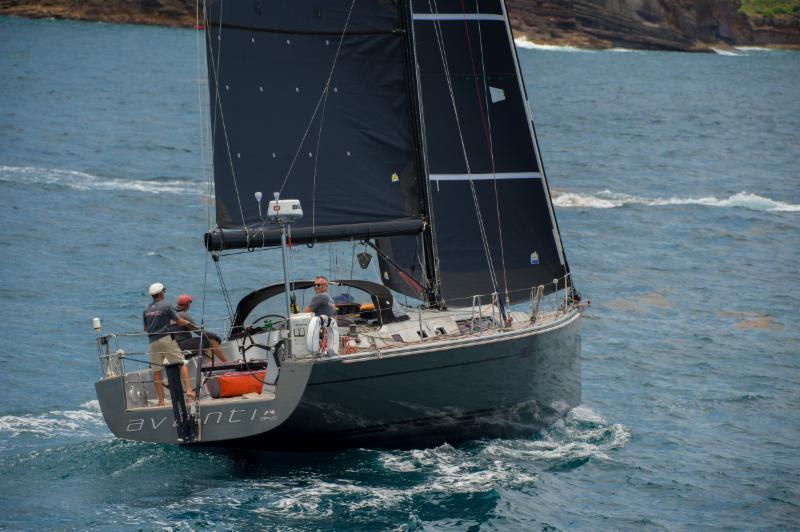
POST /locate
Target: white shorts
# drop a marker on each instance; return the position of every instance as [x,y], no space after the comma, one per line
[165,351]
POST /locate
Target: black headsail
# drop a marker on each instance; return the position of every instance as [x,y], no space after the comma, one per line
[311,99]
[493,220]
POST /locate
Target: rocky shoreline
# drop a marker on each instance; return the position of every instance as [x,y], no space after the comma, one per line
[682,25]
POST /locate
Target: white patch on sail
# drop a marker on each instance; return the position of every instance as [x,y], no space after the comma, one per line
[458,16]
[480,177]
[498,95]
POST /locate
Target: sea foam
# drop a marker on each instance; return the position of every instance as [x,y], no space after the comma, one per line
[525,43]
[83,422]
[84,181]
[605,199]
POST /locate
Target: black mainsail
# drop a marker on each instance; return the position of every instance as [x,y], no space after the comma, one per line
[311,99]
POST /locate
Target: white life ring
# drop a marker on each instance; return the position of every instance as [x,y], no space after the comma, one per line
[327,324]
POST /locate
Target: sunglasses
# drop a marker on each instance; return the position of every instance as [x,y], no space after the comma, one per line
[318,284]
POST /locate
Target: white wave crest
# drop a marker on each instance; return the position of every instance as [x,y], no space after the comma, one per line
[726,52]
[606,199]
[82,422]
[753,49]
[582,434]
[522,42]
[85,181]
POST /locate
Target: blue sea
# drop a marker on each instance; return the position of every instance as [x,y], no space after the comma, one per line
[676,179]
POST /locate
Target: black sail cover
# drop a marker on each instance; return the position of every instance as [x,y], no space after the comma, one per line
[348,155]
[473,38]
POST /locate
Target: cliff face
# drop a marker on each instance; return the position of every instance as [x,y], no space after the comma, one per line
[157,12]
[690,25]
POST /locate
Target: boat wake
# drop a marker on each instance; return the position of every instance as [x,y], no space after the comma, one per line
[569,443]
[85,181]
[606,199]
[401,477]
[83,422]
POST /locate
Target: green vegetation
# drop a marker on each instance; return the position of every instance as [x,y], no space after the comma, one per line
[771,8]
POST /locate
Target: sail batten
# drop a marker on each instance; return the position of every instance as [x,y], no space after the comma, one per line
[298,31]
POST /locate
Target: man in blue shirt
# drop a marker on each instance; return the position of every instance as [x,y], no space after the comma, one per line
[158,319]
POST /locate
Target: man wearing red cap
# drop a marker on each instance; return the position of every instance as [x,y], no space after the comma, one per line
[187,341]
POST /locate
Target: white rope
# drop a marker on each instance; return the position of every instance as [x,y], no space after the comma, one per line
[491,154]
[481,228]
[316,160]
[322,97]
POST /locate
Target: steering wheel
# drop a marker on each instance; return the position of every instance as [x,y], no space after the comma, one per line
[255,329]
[249,331]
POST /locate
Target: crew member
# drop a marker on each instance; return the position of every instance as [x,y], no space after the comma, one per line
[158,319]
[189,342]
[322,303]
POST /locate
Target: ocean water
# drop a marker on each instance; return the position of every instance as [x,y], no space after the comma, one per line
[676,179]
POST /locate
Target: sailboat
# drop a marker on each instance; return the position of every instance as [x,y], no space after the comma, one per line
[403,127]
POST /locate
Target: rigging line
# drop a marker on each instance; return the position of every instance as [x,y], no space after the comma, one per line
[222,120]
[225,294]
[205,288]
[321,97]
[203,165]
[316,160]
[443,55]
[352,263]
[202,154]
[486,119]
[330,261]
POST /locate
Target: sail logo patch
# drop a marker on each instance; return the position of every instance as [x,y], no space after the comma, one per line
[534,258]
[395,177]
[498,95]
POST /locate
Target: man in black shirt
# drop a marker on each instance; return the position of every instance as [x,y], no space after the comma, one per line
[188,341]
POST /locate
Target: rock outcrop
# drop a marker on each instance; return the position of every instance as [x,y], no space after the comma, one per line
[689,25]
[179,13]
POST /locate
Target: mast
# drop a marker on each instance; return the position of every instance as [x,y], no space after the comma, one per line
[430,261]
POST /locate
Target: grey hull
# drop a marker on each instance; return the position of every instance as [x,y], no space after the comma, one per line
[500,386]
[226,420]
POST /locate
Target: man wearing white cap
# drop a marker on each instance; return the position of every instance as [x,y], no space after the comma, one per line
[158,317]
